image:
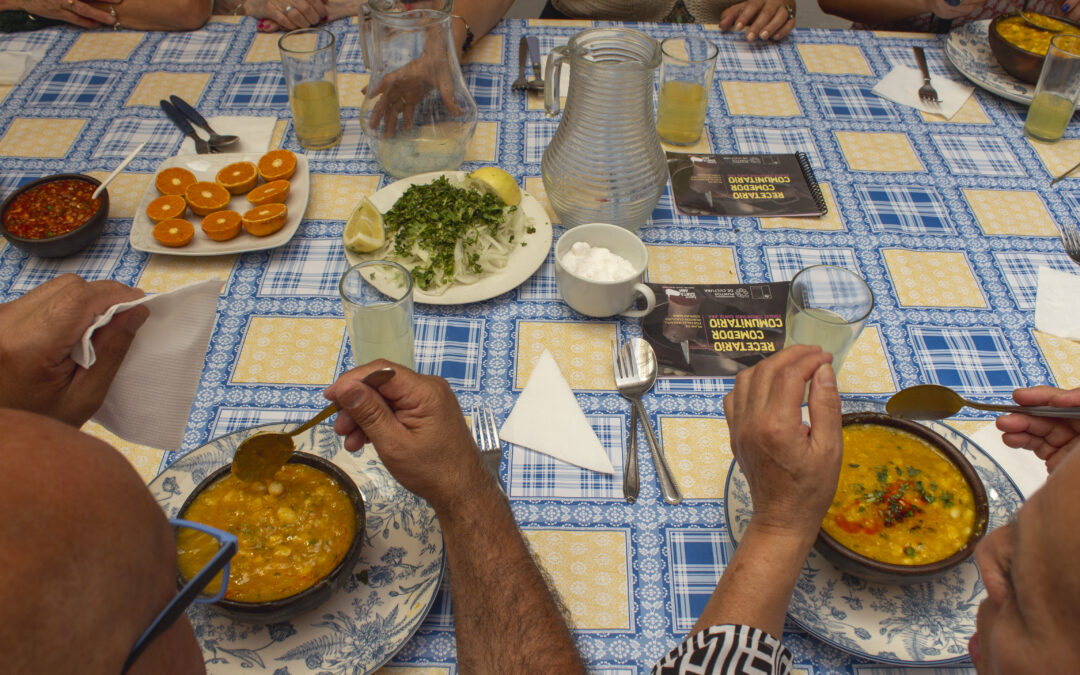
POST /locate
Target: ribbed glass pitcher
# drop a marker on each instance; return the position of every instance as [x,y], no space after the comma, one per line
[605,163]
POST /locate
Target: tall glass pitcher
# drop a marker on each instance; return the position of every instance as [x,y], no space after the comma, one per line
[417,114]
[605,163]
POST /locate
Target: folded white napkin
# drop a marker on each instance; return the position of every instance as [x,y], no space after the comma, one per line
[1026,470]
[1055,303]
[14,66]
[255,133]
[902,85]
[548,419]
[150,399]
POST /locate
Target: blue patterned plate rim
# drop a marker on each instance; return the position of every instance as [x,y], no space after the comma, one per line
[968,49]
[371,617]
[819,577]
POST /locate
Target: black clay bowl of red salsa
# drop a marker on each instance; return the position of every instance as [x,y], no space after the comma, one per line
[54,216]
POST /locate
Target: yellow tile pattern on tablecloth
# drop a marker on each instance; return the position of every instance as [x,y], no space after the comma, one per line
[109,46]
[264,48]
[164,273]
[146,460]
[40,137]
[1011,212]
[699,451]
[900,35]
[866,369]
[582,351]
[534,185]
[763,99]
[966,427]
[153,87]
[560,23]
[868,151]
[290,350]
[412,670]
[482,146]
[701,145]
[3,243]
[488,49]
[588,570]
[279,132]
[334,196]
[834,59]
[1062,357]
[830,222]
[969,113]
[351,89]
[125,192]
[5,89]
[1057,157]
[692,265]
[933,278]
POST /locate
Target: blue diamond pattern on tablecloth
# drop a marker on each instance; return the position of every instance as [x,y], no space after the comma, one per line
[305,267]
[697,559]
[541,285]
[1021,272]
[537,137]
[854,104]
[533,474]
[195,47]
[257,90]
[486,89]
[451,348]
[230,419]
[784,263]
[906,210]
[752,140]
[974,361]
[742,56]
[124,134]
[93,263]
[978,155]
[75,87]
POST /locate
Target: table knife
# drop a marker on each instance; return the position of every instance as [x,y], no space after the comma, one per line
[534,56]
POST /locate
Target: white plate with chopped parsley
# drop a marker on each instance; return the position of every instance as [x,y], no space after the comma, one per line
[524,257]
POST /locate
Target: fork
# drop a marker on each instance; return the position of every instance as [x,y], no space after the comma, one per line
[1070,239]
[630,482]
[522,82]
[486,434]
[927,93]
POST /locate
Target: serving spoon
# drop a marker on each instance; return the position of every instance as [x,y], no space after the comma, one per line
[259,457]
[1032,20]
[935,402]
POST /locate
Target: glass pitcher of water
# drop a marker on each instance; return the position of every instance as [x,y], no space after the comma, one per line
[605,163]
[417,114]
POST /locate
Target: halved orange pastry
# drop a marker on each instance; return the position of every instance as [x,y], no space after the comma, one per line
[238,177]
[266,219]
[165,207]
[274,192]
[174,180]
[221,225]
[277,165]
[174,232]
[205,198]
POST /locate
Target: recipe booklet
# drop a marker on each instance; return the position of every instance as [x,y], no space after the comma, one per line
[758,186]
[715,330]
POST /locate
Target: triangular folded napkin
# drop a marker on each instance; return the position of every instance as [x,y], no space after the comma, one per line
[255,134]
[902,85]
[14,66]
[548,419]
[1055,303]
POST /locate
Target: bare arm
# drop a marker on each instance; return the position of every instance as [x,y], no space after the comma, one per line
[481,15]
[886,11]
[159,15]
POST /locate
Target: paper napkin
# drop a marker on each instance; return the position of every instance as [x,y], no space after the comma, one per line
[14,66]
[150,399]
[1026,470]
[255,133]
[1055,303]
[548,419]
[902,85]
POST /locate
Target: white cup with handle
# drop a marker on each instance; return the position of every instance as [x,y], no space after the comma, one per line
[604,298]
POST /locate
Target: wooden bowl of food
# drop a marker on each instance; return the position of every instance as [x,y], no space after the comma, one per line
[54,216]
[300,537]
[1020,47]
[908,506]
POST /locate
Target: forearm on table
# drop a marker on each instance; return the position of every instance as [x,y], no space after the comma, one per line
[480,15]
[505,618]
[156,15]
[756,586]
[871,13]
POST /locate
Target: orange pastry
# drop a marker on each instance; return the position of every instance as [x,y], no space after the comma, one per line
[165,207]
[174,180]
[274,192]
[238,177]
[205,198]
[266,219]
[174,232]
[277,165]
[221,225]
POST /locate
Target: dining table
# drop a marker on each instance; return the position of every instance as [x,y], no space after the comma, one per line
[947,220]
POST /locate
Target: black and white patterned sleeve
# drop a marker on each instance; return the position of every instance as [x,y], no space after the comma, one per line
[727,650]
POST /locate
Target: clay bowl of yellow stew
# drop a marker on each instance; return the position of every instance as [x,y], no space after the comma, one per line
[1020,47]
[299,537]
[908,505]
[54,216]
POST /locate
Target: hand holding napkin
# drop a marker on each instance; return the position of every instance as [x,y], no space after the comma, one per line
[14,66]
[150,399]
[548,419]
[902,85]
[1055,303]
[255,133]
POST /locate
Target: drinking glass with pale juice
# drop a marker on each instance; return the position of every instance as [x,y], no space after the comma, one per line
[309,59]
[827,306]
[1055,95]
[686,75]
[378,303]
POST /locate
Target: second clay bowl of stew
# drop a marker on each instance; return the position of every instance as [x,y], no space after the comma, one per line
[53,217]
[300,536]
[1020,46]
[908,506]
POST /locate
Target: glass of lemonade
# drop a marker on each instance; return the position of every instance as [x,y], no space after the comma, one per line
[1055,94]
[378,301]
[686,75]
[827,306]
[309,59]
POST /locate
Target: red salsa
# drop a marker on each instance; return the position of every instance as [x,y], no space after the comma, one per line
[51,209]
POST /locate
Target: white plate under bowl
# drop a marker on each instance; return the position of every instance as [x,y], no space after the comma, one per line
[917,625]
[205,168]
[968,48]
[383,601]
[522,263]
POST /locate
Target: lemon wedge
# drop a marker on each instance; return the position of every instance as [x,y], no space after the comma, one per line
[496,181]
[364,230]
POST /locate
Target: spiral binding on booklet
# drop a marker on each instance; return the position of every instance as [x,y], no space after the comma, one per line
[811,181]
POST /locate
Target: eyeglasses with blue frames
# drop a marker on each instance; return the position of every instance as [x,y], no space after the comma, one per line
[191,592]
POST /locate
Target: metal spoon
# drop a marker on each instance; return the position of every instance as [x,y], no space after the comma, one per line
[1032,19]
[260,456]
[117,170]
[216,140]
[935,402]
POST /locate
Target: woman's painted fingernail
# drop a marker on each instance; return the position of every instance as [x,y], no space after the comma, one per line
[1065,8]
[262,24]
